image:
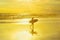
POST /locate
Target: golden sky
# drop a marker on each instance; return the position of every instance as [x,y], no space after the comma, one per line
[29,6]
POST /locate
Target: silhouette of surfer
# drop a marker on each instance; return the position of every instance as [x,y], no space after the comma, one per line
[32,27]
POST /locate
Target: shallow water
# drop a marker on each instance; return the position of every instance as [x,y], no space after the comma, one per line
[46,28]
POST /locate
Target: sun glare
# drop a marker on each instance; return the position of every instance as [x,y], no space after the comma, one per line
[23,35]
[23,21]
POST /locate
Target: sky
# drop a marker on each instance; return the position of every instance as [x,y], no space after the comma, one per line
[30,6]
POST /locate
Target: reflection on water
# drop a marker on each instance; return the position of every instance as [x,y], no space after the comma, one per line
[47,29]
